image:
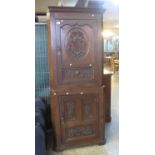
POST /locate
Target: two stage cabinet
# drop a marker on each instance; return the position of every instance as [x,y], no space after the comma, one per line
[76,65]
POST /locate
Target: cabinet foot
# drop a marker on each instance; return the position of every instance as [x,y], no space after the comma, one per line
[102,142]
[108,119]
[59,149]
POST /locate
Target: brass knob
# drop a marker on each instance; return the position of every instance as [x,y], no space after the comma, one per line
[58,22]
[81,93]
[77,72]
[67,93]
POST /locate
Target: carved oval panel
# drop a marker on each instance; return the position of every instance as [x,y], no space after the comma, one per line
[76,43]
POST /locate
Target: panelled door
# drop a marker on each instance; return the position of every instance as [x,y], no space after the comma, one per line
[78,53]
[80,117]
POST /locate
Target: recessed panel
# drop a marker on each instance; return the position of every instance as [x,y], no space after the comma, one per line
[77,74]
[77,44]
[76,132]
[89,107]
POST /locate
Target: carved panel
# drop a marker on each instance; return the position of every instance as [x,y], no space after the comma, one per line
[79,73]
[89,108]
[80,131]
[88,111]
[70,110]
[76,43]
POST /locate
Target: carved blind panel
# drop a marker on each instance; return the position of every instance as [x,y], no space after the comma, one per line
[76,74]
[69,108]
[76,132]
[89,107]
[77,44]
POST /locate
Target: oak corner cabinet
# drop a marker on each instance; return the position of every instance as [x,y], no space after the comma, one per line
[76,66]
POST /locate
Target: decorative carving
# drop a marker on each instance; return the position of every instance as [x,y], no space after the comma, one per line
[80,131]
[89,107]
[76,45]
[70,111]
[72,74]
[88,111]
[77,72]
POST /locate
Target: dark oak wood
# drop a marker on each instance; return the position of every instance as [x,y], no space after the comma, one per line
[74,9]
[76,64]
[107,83]
[76,48]
[40,13]
[78,117]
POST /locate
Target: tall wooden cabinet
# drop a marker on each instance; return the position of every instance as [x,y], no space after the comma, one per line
[76,66]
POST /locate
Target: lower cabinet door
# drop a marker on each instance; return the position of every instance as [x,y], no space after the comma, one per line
[81,117]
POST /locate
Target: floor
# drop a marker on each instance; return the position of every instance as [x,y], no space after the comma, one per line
[111,131]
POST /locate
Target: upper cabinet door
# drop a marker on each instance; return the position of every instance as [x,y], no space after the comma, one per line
[78,49]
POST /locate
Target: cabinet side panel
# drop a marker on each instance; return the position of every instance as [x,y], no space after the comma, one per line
[102,115]
[55,120]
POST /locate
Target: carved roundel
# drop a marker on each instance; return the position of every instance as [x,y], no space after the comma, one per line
[77,43]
